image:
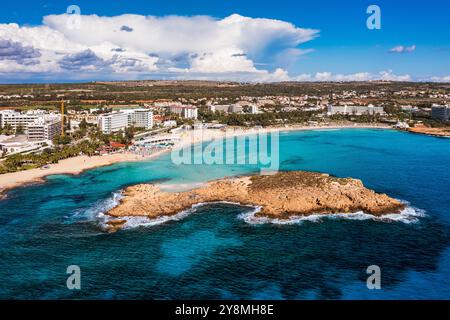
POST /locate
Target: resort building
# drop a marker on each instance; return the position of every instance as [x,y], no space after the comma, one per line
[441,113]
[355,110]
[16,119]
[186,112]
[236,108]
[38,125]
[254,109]
[19,144]
[113,122]
[139,118]
[220,108]
[44,129]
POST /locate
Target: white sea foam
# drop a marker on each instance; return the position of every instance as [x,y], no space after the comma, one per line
[408,215]
[134,222]
[98,210]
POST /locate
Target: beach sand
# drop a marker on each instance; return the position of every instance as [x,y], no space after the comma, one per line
[79,164]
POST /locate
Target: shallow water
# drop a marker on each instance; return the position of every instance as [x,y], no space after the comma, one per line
[214,252]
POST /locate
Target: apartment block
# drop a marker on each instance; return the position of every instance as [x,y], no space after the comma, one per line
[113,122]
[441,113]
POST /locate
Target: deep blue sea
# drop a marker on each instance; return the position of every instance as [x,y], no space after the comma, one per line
[213,253]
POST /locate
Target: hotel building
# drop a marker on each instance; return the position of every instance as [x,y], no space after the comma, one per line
[18,119]
[113,122]
[441,113]
[37,124]
[44,129]
[116,121]
[187,112]
[355,110]
[139,118]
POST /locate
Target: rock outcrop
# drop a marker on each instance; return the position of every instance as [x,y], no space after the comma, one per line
[285,194]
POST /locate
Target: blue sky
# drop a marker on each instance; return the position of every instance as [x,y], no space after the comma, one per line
[342,46]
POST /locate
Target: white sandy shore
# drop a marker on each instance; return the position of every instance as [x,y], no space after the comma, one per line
[74,166]
[79,164]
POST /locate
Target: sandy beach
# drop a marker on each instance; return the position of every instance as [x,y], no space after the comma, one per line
[79,164]
[73,166]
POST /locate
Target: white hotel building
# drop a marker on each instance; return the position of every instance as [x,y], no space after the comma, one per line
[355,110]
[18,119]
[37,124]
[441,113]
[113,122]
[116,121]
[44,129]
[187,112]
[139,118]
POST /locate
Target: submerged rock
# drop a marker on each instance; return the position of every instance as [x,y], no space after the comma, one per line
[115,225]
[282,195]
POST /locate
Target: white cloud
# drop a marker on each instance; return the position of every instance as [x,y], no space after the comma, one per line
[389,76]
[441,79]
[403,49]
[360,76]
[198,45]
[137,47]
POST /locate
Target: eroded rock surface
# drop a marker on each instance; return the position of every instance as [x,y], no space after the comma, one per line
[285,194]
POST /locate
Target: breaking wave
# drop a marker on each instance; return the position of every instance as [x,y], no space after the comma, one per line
[135,222]
[408,215]
[98,210]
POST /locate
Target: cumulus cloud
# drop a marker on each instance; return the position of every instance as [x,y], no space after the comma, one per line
[16,51]
[281,75]
[84,60]
[198,45]
[389,76]
[402,49]
[360,76]
[441,79]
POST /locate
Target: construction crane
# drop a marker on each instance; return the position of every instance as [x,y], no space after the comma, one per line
[62,118]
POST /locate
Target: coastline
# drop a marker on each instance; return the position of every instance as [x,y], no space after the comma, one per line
[431,132]
[280,196]
[70,166]
[77,165]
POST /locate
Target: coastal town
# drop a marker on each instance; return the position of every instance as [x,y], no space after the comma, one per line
[96,124]
[224,159]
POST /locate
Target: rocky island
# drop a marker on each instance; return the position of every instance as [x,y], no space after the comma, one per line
[282,195]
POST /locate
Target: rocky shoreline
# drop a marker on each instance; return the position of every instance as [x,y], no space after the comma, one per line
[280,196]
[434,132]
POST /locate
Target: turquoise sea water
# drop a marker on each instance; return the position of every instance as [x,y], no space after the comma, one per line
[213,253]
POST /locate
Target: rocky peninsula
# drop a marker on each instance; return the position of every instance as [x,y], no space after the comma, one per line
[282,195]
[436,132]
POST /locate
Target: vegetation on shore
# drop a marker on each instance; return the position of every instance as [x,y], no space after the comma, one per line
[85,141]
